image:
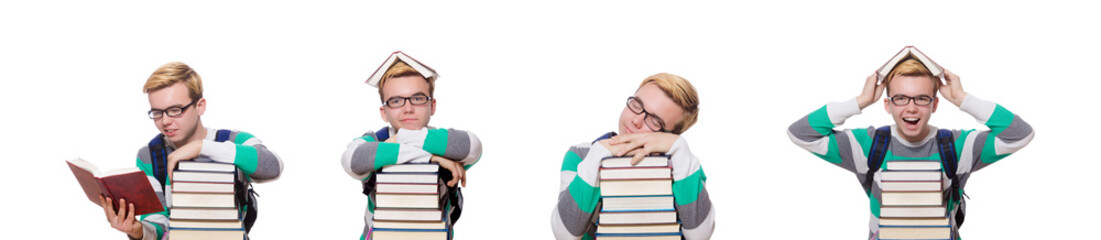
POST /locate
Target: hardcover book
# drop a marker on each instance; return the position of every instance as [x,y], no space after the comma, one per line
[130,184]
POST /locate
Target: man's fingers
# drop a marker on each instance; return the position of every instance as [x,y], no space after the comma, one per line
[637,158]
[108,207]
[629,147]
[638,155]
[462,172]
[103,203]
[122,208]
[455,175]
[129,217]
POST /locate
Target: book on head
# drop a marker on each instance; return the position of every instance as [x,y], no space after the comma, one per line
[424,70]
[909,52]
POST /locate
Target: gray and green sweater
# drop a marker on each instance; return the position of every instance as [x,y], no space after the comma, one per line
[849,148]
[579,195]
[253,159]
[366,154]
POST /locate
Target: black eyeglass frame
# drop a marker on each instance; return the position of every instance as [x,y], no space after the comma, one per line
[649,117]
[409,100]
[894,100]
[159,113]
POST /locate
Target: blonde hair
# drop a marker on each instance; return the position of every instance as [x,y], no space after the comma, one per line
[911,68]
[682,93]
[402,69]
[172,73]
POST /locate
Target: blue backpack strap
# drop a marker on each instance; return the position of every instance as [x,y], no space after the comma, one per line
[382,134]
[946,145]
[605,136]
[947,149]
[222,135]
[158,151]
[880,142]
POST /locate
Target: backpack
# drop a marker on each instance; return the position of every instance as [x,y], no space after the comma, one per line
[245,196]
[948,159]
[454,194]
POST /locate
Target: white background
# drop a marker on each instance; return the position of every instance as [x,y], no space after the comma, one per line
[531,79]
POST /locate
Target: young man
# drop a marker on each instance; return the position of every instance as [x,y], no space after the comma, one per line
[408,105]
[176,104]
[912,99]
[663,107]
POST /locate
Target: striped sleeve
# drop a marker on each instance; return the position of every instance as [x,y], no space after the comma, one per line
[579,194]
[366,154]
[248,153]
[452,144]
[153,224]
[1008,133]
[693,204]
[846,148]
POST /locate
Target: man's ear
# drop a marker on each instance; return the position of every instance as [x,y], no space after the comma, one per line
[432,111]
[200,106]
[887,105]
[382,113]
[935,101]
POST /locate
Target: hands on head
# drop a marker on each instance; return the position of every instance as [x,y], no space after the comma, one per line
[951,88]
[873,90]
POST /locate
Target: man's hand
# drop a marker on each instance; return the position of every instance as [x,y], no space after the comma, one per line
[186,152]
[458,173]
[951,89]
[872,91]
[641,145]
[124,220]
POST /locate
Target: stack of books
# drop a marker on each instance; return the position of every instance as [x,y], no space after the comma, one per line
[409,203]
[913,204]
[637,201]
[203,204]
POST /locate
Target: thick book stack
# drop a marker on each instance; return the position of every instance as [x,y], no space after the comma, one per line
[637,201]
[913,204]
[409,203]
[203,204]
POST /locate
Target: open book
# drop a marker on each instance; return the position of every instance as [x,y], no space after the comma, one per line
[909,52]
[425,71]
[128,183]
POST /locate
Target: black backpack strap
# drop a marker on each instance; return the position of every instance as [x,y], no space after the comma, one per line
[454,195]
[880,142]
[947,147]
[159,152]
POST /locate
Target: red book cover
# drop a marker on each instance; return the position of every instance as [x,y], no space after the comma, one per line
[131,185]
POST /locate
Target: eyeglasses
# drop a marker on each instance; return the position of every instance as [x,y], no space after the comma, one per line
[171,112]
[923,100]
[652,121]
[417,99]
